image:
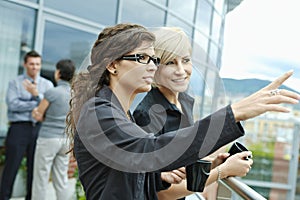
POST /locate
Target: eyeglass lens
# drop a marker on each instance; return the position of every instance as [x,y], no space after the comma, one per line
[145,59]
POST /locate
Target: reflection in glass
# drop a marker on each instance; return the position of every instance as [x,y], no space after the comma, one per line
[183,9]
[62,42]
[203,16]
[104,11]
[142,12]
[16,39]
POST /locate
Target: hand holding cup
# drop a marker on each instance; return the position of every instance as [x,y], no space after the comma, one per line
[197,174]
[238,147]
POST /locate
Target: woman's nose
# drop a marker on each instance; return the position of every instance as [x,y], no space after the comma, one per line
[180,68]
[152,67]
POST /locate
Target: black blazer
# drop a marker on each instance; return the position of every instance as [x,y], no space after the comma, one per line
[116,158]
[155,114]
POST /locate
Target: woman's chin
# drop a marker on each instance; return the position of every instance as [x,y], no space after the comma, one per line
[179,88]
[145,88]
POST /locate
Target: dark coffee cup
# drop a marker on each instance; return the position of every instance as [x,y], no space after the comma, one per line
[197,174]
[238,147]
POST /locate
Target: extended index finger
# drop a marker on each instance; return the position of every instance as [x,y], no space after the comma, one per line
[279,81]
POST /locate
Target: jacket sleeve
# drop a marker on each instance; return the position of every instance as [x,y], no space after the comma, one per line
[150,121]
[119,143]
[15,102]
[159,183]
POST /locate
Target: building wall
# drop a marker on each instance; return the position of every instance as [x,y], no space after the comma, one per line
[67,29]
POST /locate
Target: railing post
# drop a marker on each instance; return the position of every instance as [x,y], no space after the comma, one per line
[241,189]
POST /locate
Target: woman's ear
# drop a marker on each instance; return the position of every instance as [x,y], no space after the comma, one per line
[112,68]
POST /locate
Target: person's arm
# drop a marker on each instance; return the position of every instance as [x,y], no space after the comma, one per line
[234,165]
[15,102]
[31,87]
[264,100]
[130,148]
[176,191]
[39,112]
[135,149]
[175,176]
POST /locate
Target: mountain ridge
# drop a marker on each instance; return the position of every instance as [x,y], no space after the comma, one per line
[241,87]
[237,86]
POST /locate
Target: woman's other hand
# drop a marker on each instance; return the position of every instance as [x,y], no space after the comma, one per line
[174,176]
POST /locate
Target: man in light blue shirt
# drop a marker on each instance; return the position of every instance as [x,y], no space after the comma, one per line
[23,95]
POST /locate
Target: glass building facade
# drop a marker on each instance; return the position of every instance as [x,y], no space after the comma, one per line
[67,29]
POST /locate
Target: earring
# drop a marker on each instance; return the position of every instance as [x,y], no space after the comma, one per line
[115,72]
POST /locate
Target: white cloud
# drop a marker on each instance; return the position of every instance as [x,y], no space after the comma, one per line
[262,39]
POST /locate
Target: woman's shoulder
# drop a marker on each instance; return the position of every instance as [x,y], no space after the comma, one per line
[154,96]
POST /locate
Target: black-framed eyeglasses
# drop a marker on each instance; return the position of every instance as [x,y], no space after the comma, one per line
[142,58]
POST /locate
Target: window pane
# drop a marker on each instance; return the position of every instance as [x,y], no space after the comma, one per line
[61,42]
[209,92]
[196,88]
[143,13]
[16,38]
[213,53]
[183,9]
[162,2]
[219,5]
[103,11]
[200,43]
[216,26]
[203,18]
[173,21]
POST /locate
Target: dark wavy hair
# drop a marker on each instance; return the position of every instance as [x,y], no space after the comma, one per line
[112,43]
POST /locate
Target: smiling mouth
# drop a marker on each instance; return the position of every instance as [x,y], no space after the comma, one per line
[179,80]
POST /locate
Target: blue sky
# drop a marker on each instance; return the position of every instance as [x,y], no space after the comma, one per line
[262,40]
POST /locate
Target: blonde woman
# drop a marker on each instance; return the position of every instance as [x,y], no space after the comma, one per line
[171,81]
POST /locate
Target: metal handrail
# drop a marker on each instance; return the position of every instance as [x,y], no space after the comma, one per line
[242,189]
